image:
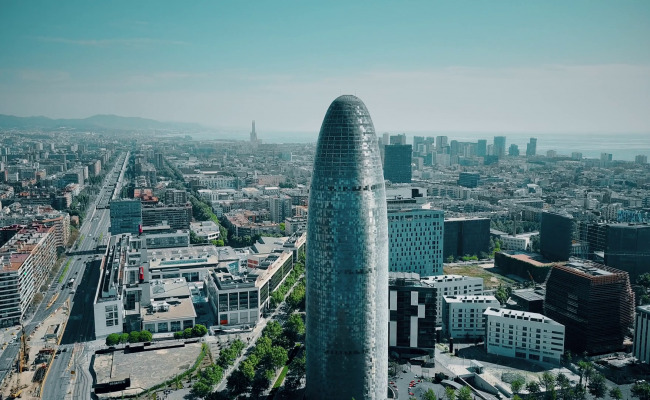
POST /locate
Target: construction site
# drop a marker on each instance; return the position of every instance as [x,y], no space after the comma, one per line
[37,351]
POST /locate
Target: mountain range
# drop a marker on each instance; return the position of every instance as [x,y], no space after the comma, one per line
[96,122]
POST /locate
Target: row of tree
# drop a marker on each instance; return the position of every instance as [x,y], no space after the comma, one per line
[132,337]
[213,373]
[297,298]
[197,331]
[559,386]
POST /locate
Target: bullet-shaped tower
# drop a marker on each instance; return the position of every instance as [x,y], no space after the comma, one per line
[347,260]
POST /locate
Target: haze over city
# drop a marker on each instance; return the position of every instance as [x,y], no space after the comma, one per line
[543,67]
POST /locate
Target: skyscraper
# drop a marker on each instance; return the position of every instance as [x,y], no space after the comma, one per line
[253,134]
[347,260]
[481,148]
[531,147]
[500,146]
[397,163]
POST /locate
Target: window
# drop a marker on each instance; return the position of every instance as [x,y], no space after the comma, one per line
[188,323]
[175,326]
[163,327]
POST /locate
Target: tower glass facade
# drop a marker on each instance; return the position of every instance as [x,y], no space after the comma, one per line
[347,260]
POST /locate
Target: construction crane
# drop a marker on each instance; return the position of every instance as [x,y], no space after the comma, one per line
[23,360]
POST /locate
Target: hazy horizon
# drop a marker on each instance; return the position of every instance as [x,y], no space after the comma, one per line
[509,66]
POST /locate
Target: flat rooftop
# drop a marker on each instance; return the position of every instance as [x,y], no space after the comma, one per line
[175,257]
[178,309]
[167,288]
[588,268]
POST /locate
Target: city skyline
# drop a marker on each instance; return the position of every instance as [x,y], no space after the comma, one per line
[512,67]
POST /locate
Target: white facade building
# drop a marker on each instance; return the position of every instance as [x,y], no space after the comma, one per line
[518,242]
[462,316]
[642,334]
[453,285]
[415,240]
[521,334]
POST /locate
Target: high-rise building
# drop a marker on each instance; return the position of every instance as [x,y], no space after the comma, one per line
[462,316]
[397,163]
[627,248]
[280,207]
[398,139]
[594,302]
[415,236]
[555,236]
[177,216]
[531,147]
[481,148]
[347,260]
[641,159]
[126,216]
[642,334]
[500,146]
[466,236]
[412,312]
[253,134]
[513,150]
[441,143]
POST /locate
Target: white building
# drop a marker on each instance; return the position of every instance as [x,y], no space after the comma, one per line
[518,242]
[642,334]
[207,230]
[462,316]
[521,334]
[415,240]
[453,285]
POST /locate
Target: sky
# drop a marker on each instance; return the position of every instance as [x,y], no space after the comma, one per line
[420,66]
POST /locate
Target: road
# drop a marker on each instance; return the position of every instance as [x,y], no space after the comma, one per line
[93,231]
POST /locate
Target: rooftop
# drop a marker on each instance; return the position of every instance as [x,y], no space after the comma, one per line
[176,309]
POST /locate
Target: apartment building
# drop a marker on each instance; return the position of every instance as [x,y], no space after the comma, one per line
[462,316]
[453,285]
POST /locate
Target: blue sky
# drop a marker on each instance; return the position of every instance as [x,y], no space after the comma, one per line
[479,66]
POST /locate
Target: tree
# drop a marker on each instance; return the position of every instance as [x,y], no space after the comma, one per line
[429,395]
[615,393]
[567,358]
[273,331]
[238,383]
[146,336]
[199,330]
[564,383]
[464,393]
[450,259]
[533,389]
[201,388]
[517,384]
[294,328]
[187,333]
[124,338]
[597,386]
[112,339]
[450,393]
[278,356]
[548,381]
[583,367]
[501,295]
[641,390]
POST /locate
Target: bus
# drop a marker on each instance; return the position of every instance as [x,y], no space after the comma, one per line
[71,282]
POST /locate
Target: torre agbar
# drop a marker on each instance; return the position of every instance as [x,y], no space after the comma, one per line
[347,260]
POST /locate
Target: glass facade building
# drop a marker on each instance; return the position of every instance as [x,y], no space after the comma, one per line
[347,260]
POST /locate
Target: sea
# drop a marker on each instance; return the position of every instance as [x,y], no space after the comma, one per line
[624,147]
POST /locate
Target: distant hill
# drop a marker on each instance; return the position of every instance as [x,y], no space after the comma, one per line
[96,122]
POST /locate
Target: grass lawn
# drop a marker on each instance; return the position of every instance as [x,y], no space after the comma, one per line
[490,280]
[65,269]
[280,379]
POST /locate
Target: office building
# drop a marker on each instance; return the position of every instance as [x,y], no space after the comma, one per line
[469,179]
[556,236]
[594,302]
[462,316]
[513,151]
[466,236]
[415,240]
[500,146]
[175,196]
[531,147]
[126,216]
[441,144]
[525,335]
[627,247]
[397,163]
[453,285]
[176,216]
[347,260]
[481,148]
[642,334]
[412,306]
[25,263]
[280,208]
